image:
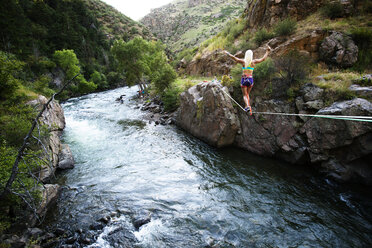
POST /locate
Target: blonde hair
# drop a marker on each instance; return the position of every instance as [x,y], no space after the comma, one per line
[248,57]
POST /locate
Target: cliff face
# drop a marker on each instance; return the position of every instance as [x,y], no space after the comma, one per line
[186,23]
[268,12]
[341,149]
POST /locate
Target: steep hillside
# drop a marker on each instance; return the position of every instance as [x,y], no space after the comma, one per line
[114,24]
[34,30]
[186,23]
[289,26]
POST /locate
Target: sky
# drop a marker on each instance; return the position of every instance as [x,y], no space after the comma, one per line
[136,9]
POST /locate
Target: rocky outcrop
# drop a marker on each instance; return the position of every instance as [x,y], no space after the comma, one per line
[339,49]
[207,113]
[340,148]
[338,145]
[53,118]
[210,64]
[269,12]
[306,44]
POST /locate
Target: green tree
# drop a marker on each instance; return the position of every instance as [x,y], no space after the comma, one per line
[68,61]
[141,60]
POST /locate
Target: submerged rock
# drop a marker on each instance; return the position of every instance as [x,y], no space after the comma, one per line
[66,160]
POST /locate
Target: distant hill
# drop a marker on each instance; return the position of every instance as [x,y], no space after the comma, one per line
[187,23]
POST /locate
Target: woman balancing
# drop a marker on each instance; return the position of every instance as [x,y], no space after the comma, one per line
[246,82]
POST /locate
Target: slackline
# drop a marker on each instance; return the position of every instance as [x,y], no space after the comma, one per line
[335,117]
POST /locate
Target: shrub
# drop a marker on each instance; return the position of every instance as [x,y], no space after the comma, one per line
[264,70]
[285,27]
[363,39]
[293,68]
[9,68]
[262,35]
[42,86]
[170,98]
[227,81]
[332,10]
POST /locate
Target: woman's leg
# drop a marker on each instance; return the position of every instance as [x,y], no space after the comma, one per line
[248,90]
[245,94]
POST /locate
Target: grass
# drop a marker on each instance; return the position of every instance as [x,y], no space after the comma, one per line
[336,85]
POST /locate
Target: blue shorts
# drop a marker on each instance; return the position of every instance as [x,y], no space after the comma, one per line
[246,81]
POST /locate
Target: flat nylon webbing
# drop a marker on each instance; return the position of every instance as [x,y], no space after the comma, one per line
[335,117]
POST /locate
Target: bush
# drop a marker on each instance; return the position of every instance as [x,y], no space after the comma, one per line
[264,70]
[332,10]
[285,27]
[15,121]
[42,86]
[227,81]
[293,68]
[262,35]
[171,98]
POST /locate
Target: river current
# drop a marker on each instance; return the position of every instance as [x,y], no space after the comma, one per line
[188,194]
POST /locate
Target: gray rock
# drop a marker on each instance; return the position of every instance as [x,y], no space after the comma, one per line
[317,104]
[66,160]
[34,232]
[341,140]
[49,194]
[339,49]
[207,113]
[311,92]
[53,118]
[361,91]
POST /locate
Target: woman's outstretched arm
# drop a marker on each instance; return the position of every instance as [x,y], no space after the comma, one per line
[257,61]
[241,61]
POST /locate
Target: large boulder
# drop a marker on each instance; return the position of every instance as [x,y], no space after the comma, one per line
[341,147]
[272,135]
[207,113]
[339,49]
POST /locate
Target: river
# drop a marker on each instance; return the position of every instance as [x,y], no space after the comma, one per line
[129,170]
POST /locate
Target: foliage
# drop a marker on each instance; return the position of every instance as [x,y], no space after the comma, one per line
[68,61]
[140,59]
[99,79]
[171,97]
[363,39]
[285,27]
[332,10]
[293,68]
[41,85]
[236,73]
[262,35]
[337,85]
[9,83]
[227,81]
[264,70]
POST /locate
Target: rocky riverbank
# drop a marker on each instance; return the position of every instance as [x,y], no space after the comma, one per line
[60,158]
[339,148]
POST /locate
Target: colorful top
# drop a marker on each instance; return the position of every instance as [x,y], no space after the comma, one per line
[248,70]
